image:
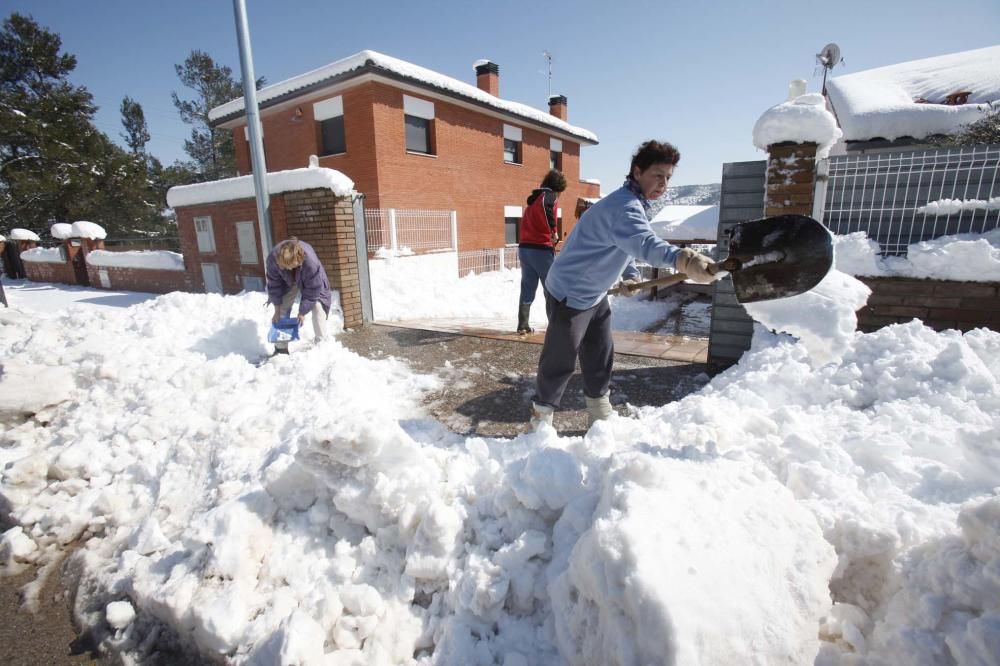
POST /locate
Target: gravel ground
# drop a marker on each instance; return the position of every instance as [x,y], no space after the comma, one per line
[486,392]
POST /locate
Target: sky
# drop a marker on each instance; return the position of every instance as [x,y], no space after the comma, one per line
[697,74]
[832,499]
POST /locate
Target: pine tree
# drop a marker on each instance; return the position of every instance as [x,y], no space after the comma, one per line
[136,132]
[211,150]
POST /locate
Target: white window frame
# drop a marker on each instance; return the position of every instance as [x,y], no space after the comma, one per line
[423,109]
[508,213]
[512,133]
[206,236]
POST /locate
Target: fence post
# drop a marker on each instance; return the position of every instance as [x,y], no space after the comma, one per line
[454,230]
[392,231]
[500,258]
[819,196]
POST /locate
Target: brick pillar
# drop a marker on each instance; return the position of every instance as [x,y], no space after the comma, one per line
[791,177]
[326,222]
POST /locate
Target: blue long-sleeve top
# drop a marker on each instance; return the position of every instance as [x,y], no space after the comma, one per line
[601,247]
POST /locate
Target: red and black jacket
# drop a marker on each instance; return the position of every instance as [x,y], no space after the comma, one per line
[538,223]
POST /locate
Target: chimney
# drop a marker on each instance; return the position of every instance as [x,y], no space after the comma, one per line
[558,106]
[488,77]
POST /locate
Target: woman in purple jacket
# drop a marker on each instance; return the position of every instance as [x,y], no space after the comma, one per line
[293,269]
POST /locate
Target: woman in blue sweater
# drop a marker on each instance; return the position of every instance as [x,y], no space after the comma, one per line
[598,252]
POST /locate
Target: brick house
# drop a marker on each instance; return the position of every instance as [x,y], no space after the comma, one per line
[411,138]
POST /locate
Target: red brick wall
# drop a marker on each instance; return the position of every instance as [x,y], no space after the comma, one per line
[467,174]
[149,280]
[939,304]
[791,176]
[38,271]
[316,216]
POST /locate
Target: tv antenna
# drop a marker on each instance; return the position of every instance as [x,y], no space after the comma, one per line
[828,58]
[548,58]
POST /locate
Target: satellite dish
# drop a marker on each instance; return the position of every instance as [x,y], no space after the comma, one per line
[829,56]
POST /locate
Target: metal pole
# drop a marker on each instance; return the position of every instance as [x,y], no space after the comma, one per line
[253,126]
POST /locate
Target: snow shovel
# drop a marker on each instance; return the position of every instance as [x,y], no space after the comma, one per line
[773,257]
[282,332]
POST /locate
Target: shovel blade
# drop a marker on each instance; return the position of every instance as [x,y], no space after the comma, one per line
[782,256]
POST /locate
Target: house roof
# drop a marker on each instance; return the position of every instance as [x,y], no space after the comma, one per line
[678,223]
[883,102]
[377,63]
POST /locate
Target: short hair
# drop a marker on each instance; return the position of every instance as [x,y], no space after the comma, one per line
[654,152]
[290,254]
[555,181]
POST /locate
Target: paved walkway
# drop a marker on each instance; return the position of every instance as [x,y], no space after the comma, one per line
[666,347]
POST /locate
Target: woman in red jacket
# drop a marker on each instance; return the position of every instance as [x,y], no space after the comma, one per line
[537,240]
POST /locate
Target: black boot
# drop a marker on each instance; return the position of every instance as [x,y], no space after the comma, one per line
[523,310]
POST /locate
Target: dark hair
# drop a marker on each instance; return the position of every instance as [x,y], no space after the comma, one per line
[555,181]
[654,152]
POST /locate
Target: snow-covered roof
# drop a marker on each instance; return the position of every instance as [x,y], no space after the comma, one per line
[800,120]
[24,234]
[882,102]
[61,230]
[678,223]
[307,178]
[91,230]
[374,61]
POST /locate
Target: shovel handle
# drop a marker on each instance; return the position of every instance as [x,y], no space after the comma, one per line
[649,284]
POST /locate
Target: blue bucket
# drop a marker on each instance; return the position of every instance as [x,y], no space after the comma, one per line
[285,329]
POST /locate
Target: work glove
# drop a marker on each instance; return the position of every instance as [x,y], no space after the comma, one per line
[627,287]
[696,266]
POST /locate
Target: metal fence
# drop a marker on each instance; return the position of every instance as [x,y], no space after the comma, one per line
[900,198]
[484,261]
[402,231]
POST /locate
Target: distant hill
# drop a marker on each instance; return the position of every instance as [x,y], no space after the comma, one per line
[693,195]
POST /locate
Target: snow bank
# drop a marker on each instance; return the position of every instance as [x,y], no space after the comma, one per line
[90,230]
[883,102]
[29,389]
[24,234]
[163,260]
[242,187]
[962,257]
[804,119]
[44,255]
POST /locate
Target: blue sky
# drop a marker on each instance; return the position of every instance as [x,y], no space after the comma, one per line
[697,74]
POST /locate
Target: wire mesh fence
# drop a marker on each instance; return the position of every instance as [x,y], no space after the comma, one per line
[401,231]
[900,198]
[487,260]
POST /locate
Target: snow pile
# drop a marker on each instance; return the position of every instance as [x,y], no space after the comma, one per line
[961,257]
[242,187]
[804,119]
[83,229]
[163,260]
[883,103]
[61,230]
[44,255]
[680,223]
[30,388]
[24,234]
[407,70]
[952,206]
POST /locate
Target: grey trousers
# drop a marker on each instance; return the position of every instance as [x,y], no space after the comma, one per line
[572,333]
[319,315]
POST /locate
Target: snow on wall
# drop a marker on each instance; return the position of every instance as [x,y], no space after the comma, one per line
[24,234]
[44,255]
[91,230]
[61,230]
[952,206]
[408,70]
[801,120]
[962,257]
[163,260]
[881,103]
[242,187]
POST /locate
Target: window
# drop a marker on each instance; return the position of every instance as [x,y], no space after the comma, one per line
[246,239]
[418,116]
[511,225]
[512,144]
[252,283]
[206,239]
[329,113]
[555,154]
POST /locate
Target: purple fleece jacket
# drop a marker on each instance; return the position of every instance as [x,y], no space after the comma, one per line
[310,278]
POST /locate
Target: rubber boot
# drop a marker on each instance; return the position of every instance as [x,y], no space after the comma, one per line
[523,310]
[598,409]
[540,414]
